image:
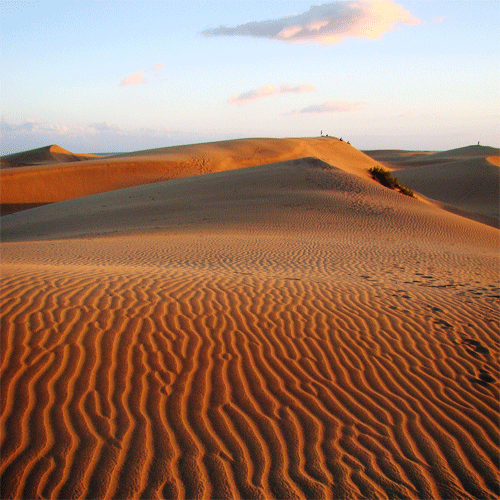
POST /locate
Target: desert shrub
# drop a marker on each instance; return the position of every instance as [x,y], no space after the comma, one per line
[386,179]
[406,191]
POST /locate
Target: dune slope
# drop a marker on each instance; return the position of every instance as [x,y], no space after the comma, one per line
[470,186]
[464,180]
[290,330]
[29,186]
[41,156]
[399,159]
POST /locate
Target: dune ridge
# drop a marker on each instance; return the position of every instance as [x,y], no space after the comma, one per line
[399,159]
[288,330]
[43,184]
[41,156]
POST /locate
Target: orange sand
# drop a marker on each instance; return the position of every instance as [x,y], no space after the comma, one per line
[34,185]
[287,330]
[42,156]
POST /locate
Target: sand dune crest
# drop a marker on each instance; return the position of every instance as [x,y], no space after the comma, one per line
[62,181]
[44,155]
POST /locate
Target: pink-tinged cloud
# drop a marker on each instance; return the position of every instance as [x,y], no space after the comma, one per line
[267,91]
[137,78]
[133,79]
[330,107]
[327,24]
[157,66]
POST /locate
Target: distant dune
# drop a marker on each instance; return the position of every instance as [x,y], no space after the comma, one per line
[287,329]
[42,156]
[398,157]
[464,180]
[28,186]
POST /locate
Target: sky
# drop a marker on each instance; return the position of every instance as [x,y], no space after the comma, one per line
[127,75]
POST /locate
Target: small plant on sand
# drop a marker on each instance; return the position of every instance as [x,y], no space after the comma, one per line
[406,191]
[386,179]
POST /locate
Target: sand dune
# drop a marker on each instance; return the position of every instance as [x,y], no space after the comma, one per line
[399,159]
[394,158]
[30,186]
[464,180]
[288,330]
[42,156]
[471,187]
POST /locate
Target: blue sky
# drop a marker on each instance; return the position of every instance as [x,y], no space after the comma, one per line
[122,75]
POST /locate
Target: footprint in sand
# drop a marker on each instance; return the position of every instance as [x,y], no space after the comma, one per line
[483,378]
[444,324]
[476,346]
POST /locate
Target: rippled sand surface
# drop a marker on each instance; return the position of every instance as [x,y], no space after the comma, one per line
[291,330]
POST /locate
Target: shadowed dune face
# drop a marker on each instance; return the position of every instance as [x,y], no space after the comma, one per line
[12,208]
[267,197]
[395,157]
[399,159]
[291,330]
[465,181]
[57,182]
[472,186]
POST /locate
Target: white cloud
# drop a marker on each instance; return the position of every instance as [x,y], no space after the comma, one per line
[94,137]
[327,24]
[330,107]
[30,127]
[137,78]
[267,91]
[104,127]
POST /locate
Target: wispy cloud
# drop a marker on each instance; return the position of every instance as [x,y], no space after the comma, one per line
[268,91]
[157,66]
[330,107]
[96,137]
[104,127]
[138,78]
[327,24]
[133,79]
[50,129]
[33,127]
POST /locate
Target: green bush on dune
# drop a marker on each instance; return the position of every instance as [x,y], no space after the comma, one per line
[406,191]
[386,179]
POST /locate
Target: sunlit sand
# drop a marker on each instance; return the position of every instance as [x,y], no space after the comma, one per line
[281,326]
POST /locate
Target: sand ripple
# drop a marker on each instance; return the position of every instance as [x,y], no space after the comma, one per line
[279,331]
[180,384]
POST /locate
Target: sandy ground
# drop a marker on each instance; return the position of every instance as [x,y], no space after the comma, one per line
[465,181]
[285,330]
